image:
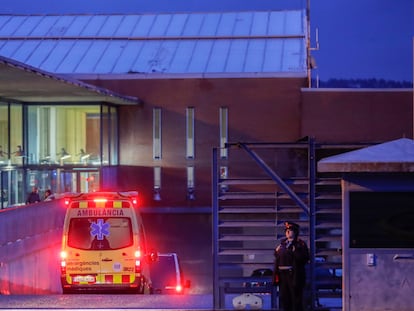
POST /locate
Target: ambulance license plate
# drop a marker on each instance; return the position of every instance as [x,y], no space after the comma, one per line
[84,279]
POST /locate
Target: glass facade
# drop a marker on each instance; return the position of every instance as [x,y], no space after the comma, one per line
[54,146]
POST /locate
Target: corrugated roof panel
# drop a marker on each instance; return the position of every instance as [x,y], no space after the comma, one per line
[10,47]
[273,56]
[11,26]
[177,25]
[54,59]
[182,56]
[165,56]
[148,57]
[144,25]
[110,26]
[226,24]
[94,25]
[295,23]
[63,23]
[77,26]
[74,56]
[277,22]
[293,55]
[28,25]
[42,51]
[243,23]
[126,26]
[44,26]
[218,58]
[193,25]
[25,50]
[110,56]
[3,21]
[255,55]
[237,55]
[201,55]
[91,57]
[160,26]
[259,25]
[130,53]
[210,24]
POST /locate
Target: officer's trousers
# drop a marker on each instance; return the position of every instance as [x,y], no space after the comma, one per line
[291,295]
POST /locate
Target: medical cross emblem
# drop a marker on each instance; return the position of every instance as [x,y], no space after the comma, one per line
[100,229]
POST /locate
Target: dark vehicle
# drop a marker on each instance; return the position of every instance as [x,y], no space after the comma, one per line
[261,278]
[167,276]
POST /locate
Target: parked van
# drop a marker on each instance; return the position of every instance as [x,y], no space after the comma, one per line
[103,245]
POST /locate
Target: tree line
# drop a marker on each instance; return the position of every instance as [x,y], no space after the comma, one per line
[362,83]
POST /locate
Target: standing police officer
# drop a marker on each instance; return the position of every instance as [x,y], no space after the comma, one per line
[291,256]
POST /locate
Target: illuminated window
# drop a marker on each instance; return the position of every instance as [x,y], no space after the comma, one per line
[223,131]
[156,133]
[190,133]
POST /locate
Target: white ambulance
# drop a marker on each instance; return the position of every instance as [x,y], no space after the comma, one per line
[103,245]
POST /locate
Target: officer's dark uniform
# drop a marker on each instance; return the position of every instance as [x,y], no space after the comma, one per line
[289,270]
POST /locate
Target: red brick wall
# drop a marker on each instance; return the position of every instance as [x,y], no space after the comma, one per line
[357,115]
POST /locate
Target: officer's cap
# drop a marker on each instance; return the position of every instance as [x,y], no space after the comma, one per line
[292,226]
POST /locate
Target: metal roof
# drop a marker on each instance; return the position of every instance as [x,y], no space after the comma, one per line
[20,82]
[392,156]
[231,43]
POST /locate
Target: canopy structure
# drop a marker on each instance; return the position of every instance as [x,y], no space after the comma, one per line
[23,83]
[393,156]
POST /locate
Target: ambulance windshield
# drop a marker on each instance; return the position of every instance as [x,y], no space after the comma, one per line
[96,233]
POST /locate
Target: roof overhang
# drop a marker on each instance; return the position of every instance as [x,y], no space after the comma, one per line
[23,83]
[394,156]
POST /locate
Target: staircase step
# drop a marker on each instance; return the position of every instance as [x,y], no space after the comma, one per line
[248,210]
[244,251]
[247,195]
[328,252]
[329,211]
[247,224]
[329,225]
[328,196]
[248,238]
[329,238]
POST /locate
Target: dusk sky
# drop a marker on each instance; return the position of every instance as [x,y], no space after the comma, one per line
[358,38]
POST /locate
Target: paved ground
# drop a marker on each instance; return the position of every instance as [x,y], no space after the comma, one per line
[107,302]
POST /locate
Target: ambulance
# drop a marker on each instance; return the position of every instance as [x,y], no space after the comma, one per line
[103,244]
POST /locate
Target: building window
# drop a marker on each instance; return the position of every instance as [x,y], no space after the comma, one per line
[157,183]
[190,154]
[156,133]
[190,183]
[223,132]
[68,135]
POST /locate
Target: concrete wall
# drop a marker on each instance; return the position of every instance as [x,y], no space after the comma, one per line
[30,238]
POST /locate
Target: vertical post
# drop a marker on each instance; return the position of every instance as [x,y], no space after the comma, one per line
[312,216]
[308,43]
[215,176]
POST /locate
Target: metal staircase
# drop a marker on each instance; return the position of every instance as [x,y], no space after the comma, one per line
[253,196]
